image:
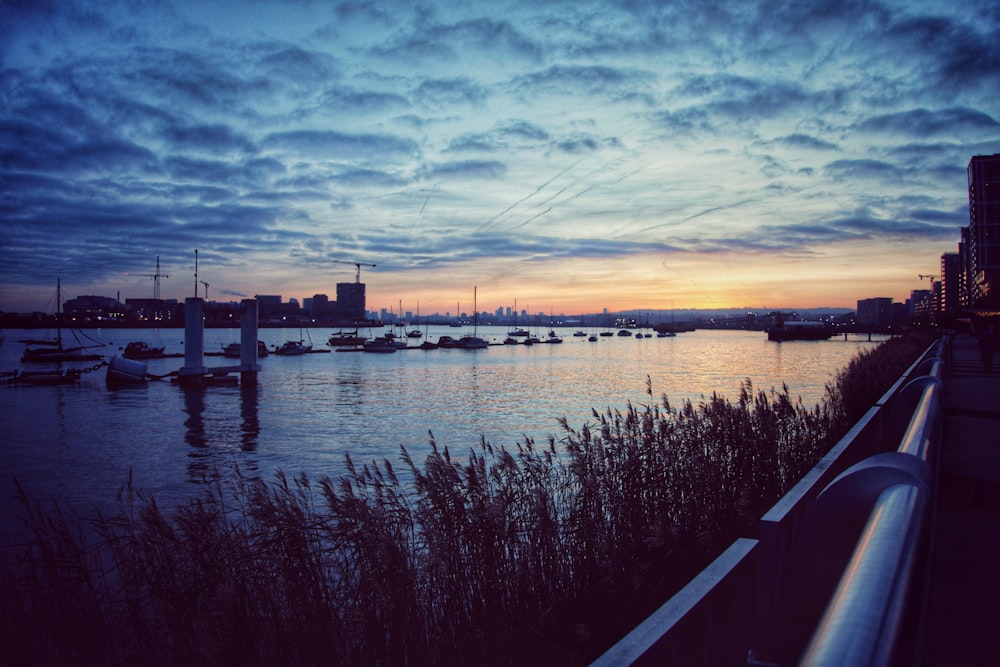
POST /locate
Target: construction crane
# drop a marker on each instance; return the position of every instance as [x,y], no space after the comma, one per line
[930,278]
[206,288]
[358,265]
[155,276]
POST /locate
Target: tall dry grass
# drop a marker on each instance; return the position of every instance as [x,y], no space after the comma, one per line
[539,553]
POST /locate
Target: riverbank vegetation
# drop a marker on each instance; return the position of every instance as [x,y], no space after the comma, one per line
[541,553]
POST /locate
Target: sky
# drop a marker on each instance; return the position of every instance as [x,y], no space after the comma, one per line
[572,156]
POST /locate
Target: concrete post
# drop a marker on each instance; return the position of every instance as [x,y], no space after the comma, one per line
[194,340]
[248,343]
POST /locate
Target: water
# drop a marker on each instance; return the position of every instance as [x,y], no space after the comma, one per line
[79,443]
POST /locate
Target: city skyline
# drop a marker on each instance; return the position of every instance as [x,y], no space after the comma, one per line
[569,156]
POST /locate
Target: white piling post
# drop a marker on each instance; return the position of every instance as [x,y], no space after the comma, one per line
[194,340]
[248,343]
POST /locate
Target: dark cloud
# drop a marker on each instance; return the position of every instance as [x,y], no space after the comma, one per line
[581,80]
[209,139]
[863,170]
[438,93]
[807,142]
[924,122]
[337,145]
[299,66]
[504,136]
[349,100]
[956,54]
[485,37]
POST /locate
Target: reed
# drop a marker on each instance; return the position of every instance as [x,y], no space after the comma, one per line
[538,553]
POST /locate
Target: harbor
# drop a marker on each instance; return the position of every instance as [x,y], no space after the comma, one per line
[80,442]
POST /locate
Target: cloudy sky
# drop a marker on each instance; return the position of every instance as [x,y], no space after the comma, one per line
[570,155]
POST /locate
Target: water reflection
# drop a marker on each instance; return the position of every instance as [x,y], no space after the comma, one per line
[215,433]
[250,425]
[194,425]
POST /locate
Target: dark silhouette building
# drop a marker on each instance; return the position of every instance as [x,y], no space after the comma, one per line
[320,307]
[982,249]
[950,279]
[351,301]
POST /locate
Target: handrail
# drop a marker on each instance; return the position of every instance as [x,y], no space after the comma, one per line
[888,497]
[862,624]
[919,436]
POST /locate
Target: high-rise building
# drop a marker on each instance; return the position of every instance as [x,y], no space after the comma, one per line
[983,241]
[950,280]
[351,301]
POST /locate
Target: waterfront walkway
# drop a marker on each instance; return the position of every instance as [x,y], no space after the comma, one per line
[962,605]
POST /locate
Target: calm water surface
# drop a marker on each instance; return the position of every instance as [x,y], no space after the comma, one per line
[79,443]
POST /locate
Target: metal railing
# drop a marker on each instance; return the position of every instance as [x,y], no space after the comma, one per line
[865,619]
[828,579]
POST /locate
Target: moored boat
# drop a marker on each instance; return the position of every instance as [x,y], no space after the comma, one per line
[232,351]
[447,342]
[140,349]
[382,345]
[53,350]
[345,338]
[472,342]
[292,348]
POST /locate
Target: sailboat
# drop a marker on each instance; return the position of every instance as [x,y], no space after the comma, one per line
[53,350]
[515,332]
[295,347]
[414,333]
[553,338]
[473,342]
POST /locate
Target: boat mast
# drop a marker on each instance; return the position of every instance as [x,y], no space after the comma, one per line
[59,311]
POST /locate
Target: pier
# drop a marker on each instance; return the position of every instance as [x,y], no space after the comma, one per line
[885,553]
[194,372]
